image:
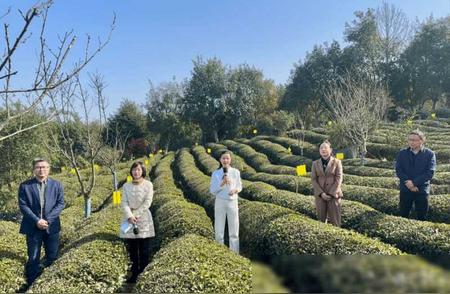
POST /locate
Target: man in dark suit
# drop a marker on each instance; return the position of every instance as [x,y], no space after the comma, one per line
[41,200]
[415,167]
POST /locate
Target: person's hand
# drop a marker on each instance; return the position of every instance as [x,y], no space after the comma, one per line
[225,181]
[326,197]
[409,184]
[232,192]
[132,219]
[414,189]
[42,224]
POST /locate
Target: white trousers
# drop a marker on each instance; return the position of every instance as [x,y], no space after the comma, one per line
[227,210]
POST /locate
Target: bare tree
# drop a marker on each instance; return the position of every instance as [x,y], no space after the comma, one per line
[110,156]
[49,72]
[357,106]
[395,31]
[299,124]
[78,138]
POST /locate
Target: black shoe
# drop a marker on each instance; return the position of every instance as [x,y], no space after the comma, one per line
[23,288]
[132,279]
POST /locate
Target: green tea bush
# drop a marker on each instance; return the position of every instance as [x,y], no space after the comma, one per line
[193,264]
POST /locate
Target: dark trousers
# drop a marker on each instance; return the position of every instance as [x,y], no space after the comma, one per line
[34,244]
[420,202]
[139,252]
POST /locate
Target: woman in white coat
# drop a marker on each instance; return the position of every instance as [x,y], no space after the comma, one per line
[225,185]
[136,201]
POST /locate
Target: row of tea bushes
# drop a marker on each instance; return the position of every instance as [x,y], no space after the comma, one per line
[385,150]
[279,230]
[189,261]
[440,186]
[388,165]
[298,147]
[13,256]
[196,264]
[257,160]
[308,136]
[13,246]
[382,199]
[173,215]
[411,236]
[361,274]
[93,258]
[236,161]
[94,261]
[278,154]
[408,235]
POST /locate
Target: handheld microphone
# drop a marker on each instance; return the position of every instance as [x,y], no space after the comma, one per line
[225,170]
[135,229]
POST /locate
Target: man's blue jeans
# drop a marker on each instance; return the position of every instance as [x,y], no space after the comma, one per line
[34,244]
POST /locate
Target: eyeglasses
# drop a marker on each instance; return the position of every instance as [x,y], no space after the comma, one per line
[41,167]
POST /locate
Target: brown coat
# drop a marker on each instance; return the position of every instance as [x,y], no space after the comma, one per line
[330,181]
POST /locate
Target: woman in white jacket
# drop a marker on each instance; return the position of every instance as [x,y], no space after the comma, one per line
[225,185]
[136,201]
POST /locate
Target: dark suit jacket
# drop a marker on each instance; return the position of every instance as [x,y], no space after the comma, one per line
[418,168]
[329,181]
[30,205]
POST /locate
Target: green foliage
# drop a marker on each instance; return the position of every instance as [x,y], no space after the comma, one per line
[305,92]
[226,102]
[382,199]
[309,136]
[174,216]
[258,161]
[363,274]
[204,102]
[13,255]
[278,154]
[297,146]
[127,123]
[423,67]
[18,151]
[265,280]
[164,117]
[411,236]
[256,218]
[92,267]
[283,237]
[195,264]
[93,259]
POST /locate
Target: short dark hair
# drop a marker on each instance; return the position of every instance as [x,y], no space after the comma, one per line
[225,152]
[325,142]
[418,133]
[136,164]
[39,159]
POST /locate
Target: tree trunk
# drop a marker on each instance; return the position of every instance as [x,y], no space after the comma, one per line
[216,136]
[363,152]
[203,136]
[115,183]
[87,207]
[353,151]
[435,101]
[166,147]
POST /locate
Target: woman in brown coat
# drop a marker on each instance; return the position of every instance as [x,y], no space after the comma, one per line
[326,177]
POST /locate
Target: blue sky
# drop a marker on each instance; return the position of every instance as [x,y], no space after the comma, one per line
[157,40]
